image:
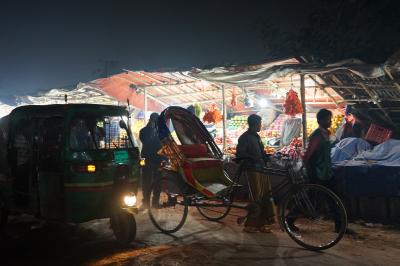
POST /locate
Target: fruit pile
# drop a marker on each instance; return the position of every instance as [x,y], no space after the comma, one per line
[312,125]
[238,121]
[336,121]
[269,150]
[220,140]
[231,150]
[293,150]
[274,130]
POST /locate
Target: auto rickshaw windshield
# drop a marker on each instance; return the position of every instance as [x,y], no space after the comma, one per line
[90,133]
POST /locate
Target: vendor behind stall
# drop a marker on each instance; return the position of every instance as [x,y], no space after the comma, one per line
[352,126]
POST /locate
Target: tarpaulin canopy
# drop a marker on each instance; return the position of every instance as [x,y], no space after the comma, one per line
[279,69]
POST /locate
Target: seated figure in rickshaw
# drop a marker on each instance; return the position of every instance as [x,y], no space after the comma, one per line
[250,146]
[80,135]
[192,153]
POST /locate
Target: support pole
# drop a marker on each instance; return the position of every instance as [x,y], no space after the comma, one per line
[303,115]
[223,119]
[145,104]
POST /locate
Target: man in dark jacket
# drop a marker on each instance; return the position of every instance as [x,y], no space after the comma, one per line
[150,146]
[250,145]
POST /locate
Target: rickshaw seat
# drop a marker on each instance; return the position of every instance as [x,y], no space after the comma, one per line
[205,174]
[203,163]
[194,150]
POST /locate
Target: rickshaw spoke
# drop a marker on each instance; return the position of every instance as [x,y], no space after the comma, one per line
[313,217]
[168,206]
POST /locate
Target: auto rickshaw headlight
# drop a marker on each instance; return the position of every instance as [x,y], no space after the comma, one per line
[142,162]
[130,200]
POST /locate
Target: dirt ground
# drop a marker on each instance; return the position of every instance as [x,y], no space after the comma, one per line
[199,242]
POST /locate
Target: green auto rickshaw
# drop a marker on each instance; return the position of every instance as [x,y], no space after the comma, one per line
[70,163]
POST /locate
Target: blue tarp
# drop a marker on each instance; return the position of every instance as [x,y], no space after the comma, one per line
[384,154]
[371,173]
[348,148]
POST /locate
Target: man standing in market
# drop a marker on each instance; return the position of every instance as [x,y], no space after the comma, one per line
[150,146]
[250,146]
[317,158]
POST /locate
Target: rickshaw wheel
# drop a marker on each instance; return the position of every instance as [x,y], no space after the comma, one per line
[123,224]
[214,213]
[168,208]
[314,217]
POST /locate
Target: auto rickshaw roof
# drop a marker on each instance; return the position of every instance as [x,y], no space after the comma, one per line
[64,109]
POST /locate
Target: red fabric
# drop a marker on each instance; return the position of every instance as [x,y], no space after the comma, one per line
[189,175]
[119,87]
[206,163]
[194,150]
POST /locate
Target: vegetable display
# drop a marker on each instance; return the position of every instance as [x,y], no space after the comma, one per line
[293,150]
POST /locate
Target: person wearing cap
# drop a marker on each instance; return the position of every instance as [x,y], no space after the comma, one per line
[351,128]
[150,146]
[250,146]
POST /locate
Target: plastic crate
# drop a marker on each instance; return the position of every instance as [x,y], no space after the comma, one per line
[378,134]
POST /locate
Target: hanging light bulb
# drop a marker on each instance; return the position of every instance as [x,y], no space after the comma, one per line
[263,103]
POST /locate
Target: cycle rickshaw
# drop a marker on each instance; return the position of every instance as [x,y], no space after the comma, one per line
[313,216]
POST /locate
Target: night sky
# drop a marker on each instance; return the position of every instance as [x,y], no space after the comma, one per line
[51,44]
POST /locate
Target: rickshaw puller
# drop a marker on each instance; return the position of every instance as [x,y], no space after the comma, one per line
[250,145]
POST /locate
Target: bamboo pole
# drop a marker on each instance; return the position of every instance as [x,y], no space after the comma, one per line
[303,115]
[223,119]
[145,104]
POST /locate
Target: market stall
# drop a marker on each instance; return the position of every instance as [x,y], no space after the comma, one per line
[224,106]
[286,94]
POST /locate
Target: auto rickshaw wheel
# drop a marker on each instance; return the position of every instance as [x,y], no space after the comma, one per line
[123,224]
